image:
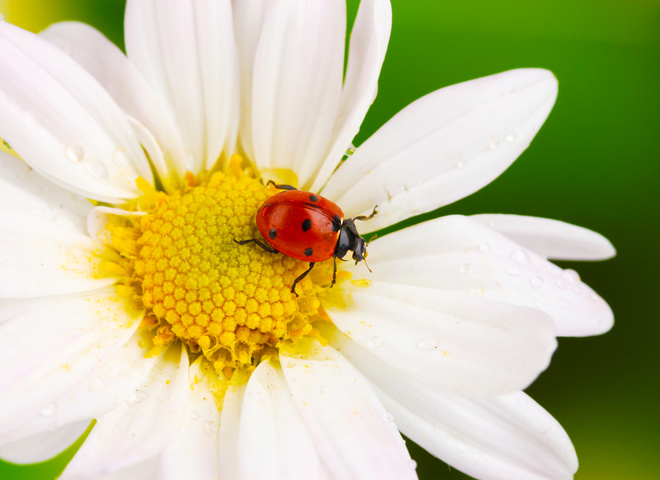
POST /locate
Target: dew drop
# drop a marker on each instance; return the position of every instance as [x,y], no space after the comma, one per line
[376,342]
[513,271]
[2,18]
[577,289]
[510,137]
[494,145]
[570,275]
[561,285]
[460,164]
[75,153]
[49,410]
[97,168]
[119,157]
[322,389]
[564,304]
[518,255]
[388,417]
[428,344]
[194,415]
[209,428]
[484,248]
[350,150]
[536,281]
[38,211]
[135,397]
[465,268]
[413,464]
[594,298]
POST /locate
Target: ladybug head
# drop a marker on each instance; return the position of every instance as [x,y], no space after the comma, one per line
[350,240]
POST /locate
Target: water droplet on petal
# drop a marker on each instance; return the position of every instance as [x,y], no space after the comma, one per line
[38,211]
[536,281]
[350,150]
[570,275]
[510,137]
[322,389]
[97,169]
[49,410]
[484,248]
[460,164]
[561,285]
[119,157]
[2,18]
[564,304]
[376,342]
[577,289]
[75,153]
[209,428]
[513,271]
[494,145]
[135,397]
[413,464]
[594,298]
[465,268]
[428,344]
[388,417]
[194,415]
[518,255]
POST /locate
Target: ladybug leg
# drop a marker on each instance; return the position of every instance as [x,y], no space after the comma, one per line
[334,273]
[280,187]
[251,240]
[363,217]
[302,275]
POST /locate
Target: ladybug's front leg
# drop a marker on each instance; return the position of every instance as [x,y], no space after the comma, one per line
[302,275]
[265,247]
[280,187]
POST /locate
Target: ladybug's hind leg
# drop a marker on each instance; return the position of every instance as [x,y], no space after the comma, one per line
[302,275]
[364,217]
[251,240]
[279,186]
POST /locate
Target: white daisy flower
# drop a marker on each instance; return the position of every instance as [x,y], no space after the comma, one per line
[139,310]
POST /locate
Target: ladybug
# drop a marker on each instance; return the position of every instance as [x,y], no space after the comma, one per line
[308,227]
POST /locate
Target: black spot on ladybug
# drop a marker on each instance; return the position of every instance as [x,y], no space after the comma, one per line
[307,224]
[272,234]
[308,251]
[336,223]
[314,198]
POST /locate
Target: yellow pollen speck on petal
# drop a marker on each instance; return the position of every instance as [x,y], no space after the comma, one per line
[230,305]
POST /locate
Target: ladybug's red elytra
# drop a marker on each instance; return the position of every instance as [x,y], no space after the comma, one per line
[307,227]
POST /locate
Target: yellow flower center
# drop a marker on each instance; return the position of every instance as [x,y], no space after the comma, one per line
[230,303]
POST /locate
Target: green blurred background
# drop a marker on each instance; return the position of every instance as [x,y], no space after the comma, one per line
[595,163]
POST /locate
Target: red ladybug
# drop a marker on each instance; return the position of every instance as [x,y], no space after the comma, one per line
[307,227]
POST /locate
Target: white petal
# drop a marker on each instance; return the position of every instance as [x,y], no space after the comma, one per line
[369,38]
[41,447]
[111,384]
[145,470]
[506,438]
[100,216]
[111,68]
[63,123]
[550,238]
[48,351]
[40,257]
[473,346]
[142,426]
[194,451]
[350,428]
[187,52]
[273,441]
[248,19]
[458,255]
[229,427]
[23,188]
[297,83]
[444,146]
